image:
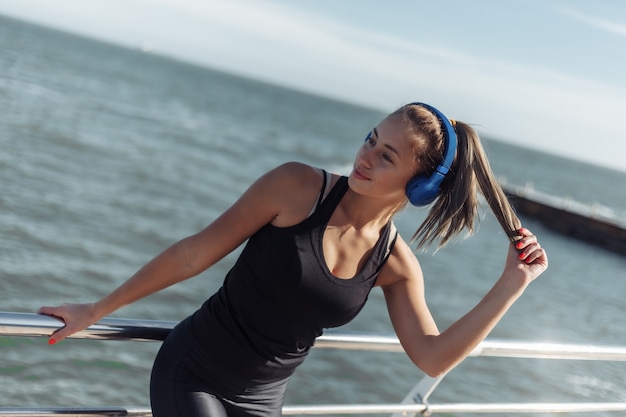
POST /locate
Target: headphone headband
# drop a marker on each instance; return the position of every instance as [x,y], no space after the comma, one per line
[422,190]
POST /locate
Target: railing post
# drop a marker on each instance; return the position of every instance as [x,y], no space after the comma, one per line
[420,393]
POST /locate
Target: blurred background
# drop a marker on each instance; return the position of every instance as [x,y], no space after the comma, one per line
[543,74]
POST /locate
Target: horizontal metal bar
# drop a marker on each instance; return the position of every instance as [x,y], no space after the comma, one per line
[526,408]
[334,340]
[75,411]
[28,324]
[535,350]
[343,409]
[454,408]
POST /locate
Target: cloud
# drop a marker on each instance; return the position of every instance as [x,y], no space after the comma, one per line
[605,25]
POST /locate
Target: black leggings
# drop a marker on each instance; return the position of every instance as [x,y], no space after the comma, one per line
[179,386]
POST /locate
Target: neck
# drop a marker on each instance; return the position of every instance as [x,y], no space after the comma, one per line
[362,212]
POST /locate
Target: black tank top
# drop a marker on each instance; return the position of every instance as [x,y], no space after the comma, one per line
[279,296]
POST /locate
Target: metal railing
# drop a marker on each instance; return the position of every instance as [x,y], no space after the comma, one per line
[416,402]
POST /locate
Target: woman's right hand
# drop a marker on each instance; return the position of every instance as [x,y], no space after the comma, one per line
[76,317]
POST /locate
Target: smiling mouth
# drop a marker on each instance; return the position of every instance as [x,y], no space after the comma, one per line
[359,175]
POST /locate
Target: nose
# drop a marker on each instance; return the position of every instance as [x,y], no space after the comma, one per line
[364,158]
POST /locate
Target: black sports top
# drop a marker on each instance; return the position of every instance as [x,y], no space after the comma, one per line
[278,297]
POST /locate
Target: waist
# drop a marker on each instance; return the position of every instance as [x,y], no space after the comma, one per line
[227,349]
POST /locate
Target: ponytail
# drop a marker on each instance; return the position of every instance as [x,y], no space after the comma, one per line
[457,206]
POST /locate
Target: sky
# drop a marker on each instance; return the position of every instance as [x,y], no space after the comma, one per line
[544,74]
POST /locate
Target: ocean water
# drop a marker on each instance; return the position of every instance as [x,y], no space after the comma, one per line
[108,155]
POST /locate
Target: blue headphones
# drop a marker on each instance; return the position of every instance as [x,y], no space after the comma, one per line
[423,189]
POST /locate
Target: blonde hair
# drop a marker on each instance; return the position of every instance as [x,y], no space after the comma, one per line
[456,208]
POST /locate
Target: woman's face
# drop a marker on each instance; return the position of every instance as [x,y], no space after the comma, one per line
[386,161]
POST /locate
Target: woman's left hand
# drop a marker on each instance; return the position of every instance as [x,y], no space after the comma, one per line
[526,259]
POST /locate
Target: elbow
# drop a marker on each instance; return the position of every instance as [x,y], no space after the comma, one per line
[435,366]
[434,371]
[438,373]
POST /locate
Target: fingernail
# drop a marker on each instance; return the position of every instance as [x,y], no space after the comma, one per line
[522,255]
[51,342]
[518,245]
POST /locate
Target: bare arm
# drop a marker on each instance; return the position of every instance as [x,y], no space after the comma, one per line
[434,352]
[269,198]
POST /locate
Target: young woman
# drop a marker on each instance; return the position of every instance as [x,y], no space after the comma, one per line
[317,244]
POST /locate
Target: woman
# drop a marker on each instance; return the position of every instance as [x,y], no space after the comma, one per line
[317,244]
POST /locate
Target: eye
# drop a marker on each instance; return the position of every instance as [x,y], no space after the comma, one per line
[369,140]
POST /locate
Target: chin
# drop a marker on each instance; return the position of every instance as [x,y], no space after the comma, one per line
[354,182]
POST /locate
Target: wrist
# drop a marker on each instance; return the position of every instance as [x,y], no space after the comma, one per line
[97,310]
[510,285]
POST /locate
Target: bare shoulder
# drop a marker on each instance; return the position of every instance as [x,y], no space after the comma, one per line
[295,187]
[294,175]
[402,267]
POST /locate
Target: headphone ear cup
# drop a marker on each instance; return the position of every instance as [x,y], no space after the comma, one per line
[423,190]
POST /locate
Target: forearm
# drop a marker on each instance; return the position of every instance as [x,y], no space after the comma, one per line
[173,265]
[449,348]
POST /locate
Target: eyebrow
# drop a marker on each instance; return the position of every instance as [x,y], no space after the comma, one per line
[391,148]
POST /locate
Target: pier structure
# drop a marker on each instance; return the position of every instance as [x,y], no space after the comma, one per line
[595,224]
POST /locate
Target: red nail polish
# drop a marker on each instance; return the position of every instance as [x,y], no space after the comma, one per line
[522,255]
[518,245]
[51,342]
